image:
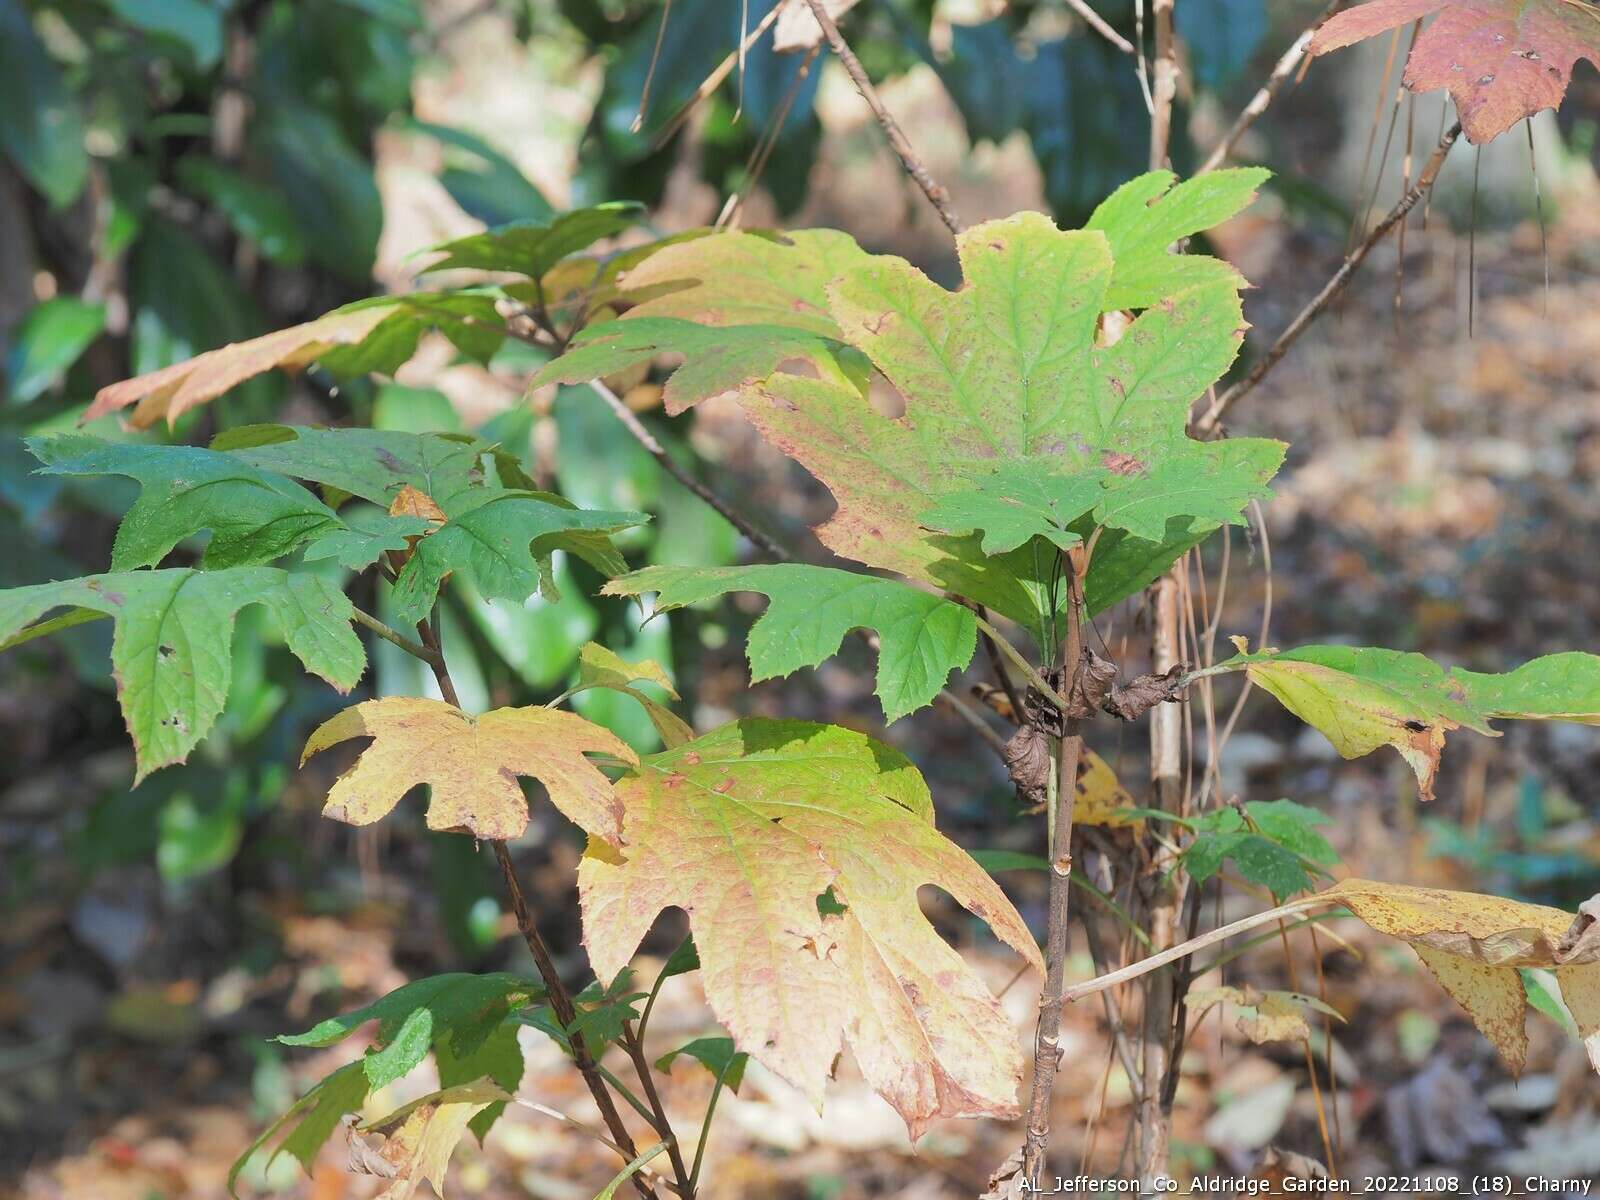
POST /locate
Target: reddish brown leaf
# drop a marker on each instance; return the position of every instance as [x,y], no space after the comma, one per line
[1502,60]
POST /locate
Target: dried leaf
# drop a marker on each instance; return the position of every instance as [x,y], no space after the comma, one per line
[745,828]
[1502,60]
[1139,695]
[370,335]
[471,765]
[603,668]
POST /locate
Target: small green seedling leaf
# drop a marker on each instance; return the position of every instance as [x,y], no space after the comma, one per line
[716,1054]
[531,248]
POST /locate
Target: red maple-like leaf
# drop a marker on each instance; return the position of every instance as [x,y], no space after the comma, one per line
[1502,60]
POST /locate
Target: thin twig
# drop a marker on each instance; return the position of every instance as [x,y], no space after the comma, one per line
[560,1000]
[389,635]
[1164,82]
[975,719]
[1211,423]
[566,1015]
[632,1043]
[657,451]
[1155,962]
[1267,92]
[1098,23]
[934,191]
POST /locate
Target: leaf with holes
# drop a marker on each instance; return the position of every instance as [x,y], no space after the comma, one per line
[1364,698]
[1003,386]
[172,647]
[745,829]
[1474,944]
[922,637]
[1502,60]
[471,765]
[369,335]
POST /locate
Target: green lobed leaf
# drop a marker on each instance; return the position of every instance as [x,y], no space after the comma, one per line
[716,1054]
[1259,860]
[532,247]
[311,1120]
[254,517]
[499,541]
[1005,386]
[1146,216]
[1362,698]
[458,1010]
[497,538]
[171,650]
[922,637]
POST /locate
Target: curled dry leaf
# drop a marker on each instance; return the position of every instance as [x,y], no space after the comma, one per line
[1264,1016]
[471,765]
[1473,944]
[1502,60]
[1138,696]
[1007,1182]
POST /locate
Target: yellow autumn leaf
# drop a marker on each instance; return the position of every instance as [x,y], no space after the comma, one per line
[423,1135]
[1102,800]
[471,765]
[1473,944]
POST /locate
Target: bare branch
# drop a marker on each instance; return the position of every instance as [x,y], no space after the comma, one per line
[1209,425]
[670,465]
[934,191]
[1268,91]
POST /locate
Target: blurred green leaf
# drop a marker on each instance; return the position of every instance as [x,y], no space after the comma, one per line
[195,24]
[49,340]
[258,212]
[483,181]
[716,1054]
[41,128]
[1222,35]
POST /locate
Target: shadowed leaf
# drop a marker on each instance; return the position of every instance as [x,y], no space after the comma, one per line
[471,765]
